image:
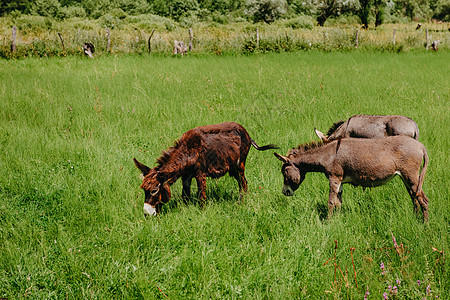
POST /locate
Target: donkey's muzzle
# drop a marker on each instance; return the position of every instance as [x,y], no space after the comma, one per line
[287,191]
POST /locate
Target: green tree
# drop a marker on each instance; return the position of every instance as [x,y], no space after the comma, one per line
[46,8]
[222,6]
[414,9]
[7,6]
[379,6]
[266,10]
[441,10]
[326,9]
[364,12]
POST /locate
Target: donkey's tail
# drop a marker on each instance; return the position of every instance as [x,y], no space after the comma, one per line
[262,148]
[422,173]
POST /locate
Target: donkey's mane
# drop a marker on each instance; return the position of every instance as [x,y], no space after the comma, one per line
[166,155]
[334,127]
[305,147]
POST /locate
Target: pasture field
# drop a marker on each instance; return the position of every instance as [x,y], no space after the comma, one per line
[71,218]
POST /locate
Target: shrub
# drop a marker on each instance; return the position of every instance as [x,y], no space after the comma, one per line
[67,12]
[220,18]
[15,14]
[34,23]
[302,22]
[170,26]
[110,21]
[249,46]
[46,8]
[188,19]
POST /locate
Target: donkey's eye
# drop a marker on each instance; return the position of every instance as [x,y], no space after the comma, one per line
[154,192]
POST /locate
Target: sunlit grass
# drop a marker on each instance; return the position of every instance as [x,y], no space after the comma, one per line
[71,220]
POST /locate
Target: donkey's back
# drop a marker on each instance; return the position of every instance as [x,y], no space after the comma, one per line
[372,126]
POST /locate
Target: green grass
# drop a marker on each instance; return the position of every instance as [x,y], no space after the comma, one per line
[71,219]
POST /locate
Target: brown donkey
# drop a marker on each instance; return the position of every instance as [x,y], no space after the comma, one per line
[361,162]
[206,151]
[371,126]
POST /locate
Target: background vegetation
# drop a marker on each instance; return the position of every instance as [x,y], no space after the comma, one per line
[220,26]
[40,36]
[236,10]
[71,219]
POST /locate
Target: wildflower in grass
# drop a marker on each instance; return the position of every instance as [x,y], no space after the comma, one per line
[398,281]
[366,295]
[418,282]
[382,268]
[394,290]
[385,296]
[395,242]
[428,290]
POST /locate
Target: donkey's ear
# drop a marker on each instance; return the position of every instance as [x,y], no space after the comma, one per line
[284,159]
[144,169]
[321,136]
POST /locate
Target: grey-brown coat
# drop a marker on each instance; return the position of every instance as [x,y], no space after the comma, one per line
[371,126]
[361,162]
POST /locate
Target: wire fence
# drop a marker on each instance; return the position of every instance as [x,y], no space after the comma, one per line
[23,41]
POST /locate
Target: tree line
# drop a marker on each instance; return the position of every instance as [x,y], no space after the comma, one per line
[366,12]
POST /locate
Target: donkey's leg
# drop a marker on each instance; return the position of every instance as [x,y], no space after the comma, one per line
[201,188]
[186,194]
[335,194]
[242,181]
[411,188]
[339,195]
[423,200]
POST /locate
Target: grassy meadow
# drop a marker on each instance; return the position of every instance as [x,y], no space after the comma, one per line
[71,218]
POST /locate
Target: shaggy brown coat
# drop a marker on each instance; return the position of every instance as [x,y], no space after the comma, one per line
[206,151]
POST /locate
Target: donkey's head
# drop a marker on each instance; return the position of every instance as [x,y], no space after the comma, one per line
[292,175]
[157,190]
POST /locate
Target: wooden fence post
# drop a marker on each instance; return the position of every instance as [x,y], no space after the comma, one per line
[426,35]
[356,39]
[191,37]
[149,45]
[109,40]
[393,37]
[257,38]
[62,42]
[13,40]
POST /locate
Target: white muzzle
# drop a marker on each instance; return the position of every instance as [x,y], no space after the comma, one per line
[287,191]
[149,210]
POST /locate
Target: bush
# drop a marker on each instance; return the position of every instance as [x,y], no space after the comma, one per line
[15,14]
[46,8]
[302,22]
[149,22]
[110,21]
[188,19]
[220,18]
[442,11]
[67,12]
[34,23]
